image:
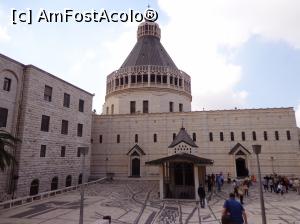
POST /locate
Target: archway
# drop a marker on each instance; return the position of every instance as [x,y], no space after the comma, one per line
[241,169]
[69,181]
[80,179]
[54,183]
[34,187]
[135,167]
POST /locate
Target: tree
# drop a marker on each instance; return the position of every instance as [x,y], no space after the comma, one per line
[6,140]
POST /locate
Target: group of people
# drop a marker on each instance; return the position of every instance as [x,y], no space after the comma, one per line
[241,188]
[278,184]
[214,181]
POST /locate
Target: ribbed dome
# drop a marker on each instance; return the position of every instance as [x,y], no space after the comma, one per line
[148,50]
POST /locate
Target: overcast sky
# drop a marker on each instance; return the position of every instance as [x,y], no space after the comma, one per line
[243,54]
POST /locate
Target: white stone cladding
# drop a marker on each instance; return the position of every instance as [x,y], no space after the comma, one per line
[158,101]
[110,156]
[26,105]
[31,165]
[11,101]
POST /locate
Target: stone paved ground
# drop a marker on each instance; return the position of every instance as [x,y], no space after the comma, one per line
[137,202]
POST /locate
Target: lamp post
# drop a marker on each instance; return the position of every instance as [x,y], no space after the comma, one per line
[83,151]
[257,150]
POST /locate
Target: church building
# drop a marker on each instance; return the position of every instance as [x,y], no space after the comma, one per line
[146,131]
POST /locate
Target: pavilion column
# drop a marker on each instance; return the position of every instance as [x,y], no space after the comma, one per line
[161,181]
[196,180]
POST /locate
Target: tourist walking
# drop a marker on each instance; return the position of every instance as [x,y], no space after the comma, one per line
[234,212]
[201,193]
[241,193]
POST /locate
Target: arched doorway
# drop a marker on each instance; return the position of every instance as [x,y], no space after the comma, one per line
[34,187]
[54,183]
[80,179]
[68,181]
[241,168]
[135,167]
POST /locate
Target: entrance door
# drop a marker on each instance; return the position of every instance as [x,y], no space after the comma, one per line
[135,167]
[241,169]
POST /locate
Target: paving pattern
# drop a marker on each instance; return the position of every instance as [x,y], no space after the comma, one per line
[133,202]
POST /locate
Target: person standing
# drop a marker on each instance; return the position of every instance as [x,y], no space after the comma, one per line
[201,193]
[234,211]
[241,193]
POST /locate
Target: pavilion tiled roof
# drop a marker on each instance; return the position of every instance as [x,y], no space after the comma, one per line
[182,157]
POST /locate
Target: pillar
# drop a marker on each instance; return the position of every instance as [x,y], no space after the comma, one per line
[196,180]
[161,182]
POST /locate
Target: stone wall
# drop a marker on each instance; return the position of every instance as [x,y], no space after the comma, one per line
[31,165]
[11,101]
[110,156]
[158,101]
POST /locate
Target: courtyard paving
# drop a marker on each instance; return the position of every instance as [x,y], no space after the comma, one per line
[131,202]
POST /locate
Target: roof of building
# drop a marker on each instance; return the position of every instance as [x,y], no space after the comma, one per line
[236,147]
[136,147]
[183,136]
[148,51]
[182,157]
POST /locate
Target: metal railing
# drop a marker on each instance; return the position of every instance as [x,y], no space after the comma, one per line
[29,199]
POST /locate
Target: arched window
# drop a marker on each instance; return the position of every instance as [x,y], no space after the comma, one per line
[54,183]
[80,179]
[34,187]
[68,181]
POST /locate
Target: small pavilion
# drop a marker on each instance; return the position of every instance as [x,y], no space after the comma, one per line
[182,170]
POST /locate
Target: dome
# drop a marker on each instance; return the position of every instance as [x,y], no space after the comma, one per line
[148,50]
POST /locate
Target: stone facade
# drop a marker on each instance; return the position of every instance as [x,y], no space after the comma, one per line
[31,164]
[110,156]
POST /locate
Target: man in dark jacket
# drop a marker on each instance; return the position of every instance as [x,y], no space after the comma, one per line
[201,193]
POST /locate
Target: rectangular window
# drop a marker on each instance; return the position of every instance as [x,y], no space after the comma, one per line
[276,135]
[48,93]
[78,152]
[81,105]
[221,136]
[43,151]
[288,135]
[79,130]
[118,138]
[211,137]
[112,109]
[66,100]
[145,106]
[265,135]
[100,139]
[194,137]
[3,117]
[136,138]
[243,136]
[174,136]
[63,151]
[180,107]
[155,138]
[45,123]
[231,136]
[171,109]
[6,84]
[64,127]
[132,107]
[253,135]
